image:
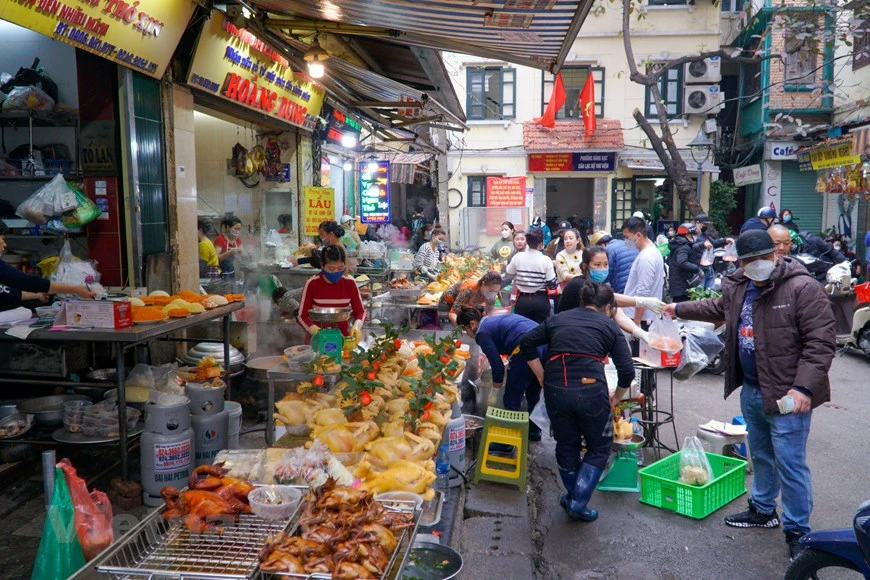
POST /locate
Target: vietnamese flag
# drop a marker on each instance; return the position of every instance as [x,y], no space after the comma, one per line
[557,101]
[587,105]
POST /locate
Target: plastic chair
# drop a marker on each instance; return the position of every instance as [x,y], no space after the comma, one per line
[722,444]
[509,428]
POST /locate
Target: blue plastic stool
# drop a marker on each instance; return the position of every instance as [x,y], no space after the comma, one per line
[739,448]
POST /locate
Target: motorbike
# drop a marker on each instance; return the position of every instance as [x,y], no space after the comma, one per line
[853,323]
[846,548]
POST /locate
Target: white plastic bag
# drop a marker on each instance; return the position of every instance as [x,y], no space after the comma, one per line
[52,199]
[707,257]
[540,417]
[74,270]
[273,239]
[695,468]
[664,335]
[28,98]
[730,254]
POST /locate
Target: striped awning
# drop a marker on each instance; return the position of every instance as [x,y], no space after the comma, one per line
[535,33]
[861,140]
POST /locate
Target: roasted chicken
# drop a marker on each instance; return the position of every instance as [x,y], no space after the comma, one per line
[201,510]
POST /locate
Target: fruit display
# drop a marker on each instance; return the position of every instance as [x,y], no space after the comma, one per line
[458,267]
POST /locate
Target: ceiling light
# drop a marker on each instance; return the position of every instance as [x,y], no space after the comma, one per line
[348,166]
[245,12]
[348,140]
[315,56]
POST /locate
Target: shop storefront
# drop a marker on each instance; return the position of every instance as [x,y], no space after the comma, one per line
[785,186]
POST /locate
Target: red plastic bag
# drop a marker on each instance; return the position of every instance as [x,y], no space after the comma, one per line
[93,513]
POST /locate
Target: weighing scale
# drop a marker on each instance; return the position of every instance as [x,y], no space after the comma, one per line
[621,471]
[329,340]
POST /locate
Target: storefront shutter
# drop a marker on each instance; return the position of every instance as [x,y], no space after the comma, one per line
[150,164]
[800,196]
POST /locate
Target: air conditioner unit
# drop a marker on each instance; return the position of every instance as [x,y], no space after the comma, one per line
[708,70]
[702,99]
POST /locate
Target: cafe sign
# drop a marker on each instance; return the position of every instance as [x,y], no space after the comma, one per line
[235,65]
[141,35]
[374,192]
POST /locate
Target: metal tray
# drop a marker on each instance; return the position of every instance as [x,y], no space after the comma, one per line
[159,549]
[397,561]
[63,436]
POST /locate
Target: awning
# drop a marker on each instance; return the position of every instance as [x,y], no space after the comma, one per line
[404,166]
[646,161]
[535,33]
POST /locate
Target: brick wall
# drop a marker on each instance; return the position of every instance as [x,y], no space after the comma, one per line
[782,94]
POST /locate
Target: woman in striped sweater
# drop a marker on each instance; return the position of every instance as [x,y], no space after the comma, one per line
[533,274]
[428,257]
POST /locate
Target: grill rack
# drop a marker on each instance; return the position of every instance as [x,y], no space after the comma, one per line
[397,560]
[157,548]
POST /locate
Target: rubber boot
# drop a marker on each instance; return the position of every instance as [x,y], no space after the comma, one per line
[587,479]
[569,478]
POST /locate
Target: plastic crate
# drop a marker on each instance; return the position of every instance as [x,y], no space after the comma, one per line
[661,488]
[862,292]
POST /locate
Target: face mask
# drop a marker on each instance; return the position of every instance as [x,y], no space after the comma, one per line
[786,218]
[630,243]
[490,294]
[703,228]
[442,248]
[837,247]
[506,234]
[332,276]
[759,270]
[235,234]
[598,275]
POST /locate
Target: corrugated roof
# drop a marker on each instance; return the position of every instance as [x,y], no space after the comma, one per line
[569,136]
[535,33]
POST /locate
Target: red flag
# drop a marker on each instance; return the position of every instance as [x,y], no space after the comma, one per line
[557,101]
[587,104]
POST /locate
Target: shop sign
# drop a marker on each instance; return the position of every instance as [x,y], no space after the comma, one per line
[747,175]
[374,192]
[805,161]
[141,35]
[235,65]
[505,191]
[542,162]
[338,125]
[97,140]
[781,150]
[834,156]
[319,207]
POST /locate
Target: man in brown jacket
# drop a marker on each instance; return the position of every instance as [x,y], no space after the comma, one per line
[780,344]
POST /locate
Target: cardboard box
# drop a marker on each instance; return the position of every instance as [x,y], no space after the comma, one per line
[95,313]
[658,358]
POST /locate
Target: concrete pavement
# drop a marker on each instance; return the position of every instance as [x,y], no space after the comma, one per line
[633,540]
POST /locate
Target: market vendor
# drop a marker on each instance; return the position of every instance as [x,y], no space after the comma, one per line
[575,389]
[208,257]
[471,293]
[331,289]
[16,286]
[428,257]
[501,335]
[229,245]
[349,238]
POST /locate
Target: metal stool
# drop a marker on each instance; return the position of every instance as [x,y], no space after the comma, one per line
[649,415]
[509,428]
[721,444]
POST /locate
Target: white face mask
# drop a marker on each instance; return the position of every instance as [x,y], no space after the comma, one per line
[506,234]
[490,294]
[759,270]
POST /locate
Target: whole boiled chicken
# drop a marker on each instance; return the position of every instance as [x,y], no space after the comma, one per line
[293,412]
[386,451]
[326,417]
[404,475]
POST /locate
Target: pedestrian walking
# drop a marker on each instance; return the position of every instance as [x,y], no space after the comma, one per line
[706,241]
[533,274]
[575,389]
[684,271]
[779,347]
[620,258]
[647,275]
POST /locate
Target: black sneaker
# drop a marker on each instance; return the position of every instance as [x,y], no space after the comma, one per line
[794,545]
[752,518]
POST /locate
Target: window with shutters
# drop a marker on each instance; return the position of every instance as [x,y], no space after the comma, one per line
[491,93]
[574,79]
[671,89]
[477,191]
[800,62]
[861,45]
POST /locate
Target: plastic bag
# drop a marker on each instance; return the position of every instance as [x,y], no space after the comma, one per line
[93,513]
[60,553]
[140,376]
[28,98]
[74,270]
[35,76]
[664,335]
[730,254]
[273,239]
[52,199]
[695,468]
[84,213]
[540,417]
[707,257]
[693,360]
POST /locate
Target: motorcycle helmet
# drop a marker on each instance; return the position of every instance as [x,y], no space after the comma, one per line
[767,212]
[687,228]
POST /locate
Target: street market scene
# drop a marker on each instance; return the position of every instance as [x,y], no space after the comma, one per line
[429,290]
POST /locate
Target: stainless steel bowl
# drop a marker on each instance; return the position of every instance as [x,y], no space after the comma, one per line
[428,561]
[216,351]
[259,368]
[329,314]
[24,419]
[48,410]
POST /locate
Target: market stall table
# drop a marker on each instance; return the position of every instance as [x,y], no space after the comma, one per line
[120,340]
[651,417]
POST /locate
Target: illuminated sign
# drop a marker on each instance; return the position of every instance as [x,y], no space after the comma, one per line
[339,126]
[235,65]
[374,192]
[141,35]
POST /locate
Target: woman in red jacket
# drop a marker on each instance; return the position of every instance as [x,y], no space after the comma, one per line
[331,289]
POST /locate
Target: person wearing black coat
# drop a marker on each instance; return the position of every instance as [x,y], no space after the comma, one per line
[684,272]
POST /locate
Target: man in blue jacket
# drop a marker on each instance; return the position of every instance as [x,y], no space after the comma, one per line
[765,218]
[501,335]
[620,258]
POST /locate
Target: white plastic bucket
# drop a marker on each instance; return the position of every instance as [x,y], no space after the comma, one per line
[235,424]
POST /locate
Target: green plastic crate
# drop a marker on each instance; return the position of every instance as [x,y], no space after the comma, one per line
[661,488]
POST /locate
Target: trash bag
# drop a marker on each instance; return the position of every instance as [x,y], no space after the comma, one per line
[93,513]
[664,335]
[84,212]
[52,199]
[35,76]
[699,348]
[540,417]
[708,257]
[60,553]
[695,468]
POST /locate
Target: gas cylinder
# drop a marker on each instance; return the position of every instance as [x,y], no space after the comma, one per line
[210,435]
[166,449]
[455,435]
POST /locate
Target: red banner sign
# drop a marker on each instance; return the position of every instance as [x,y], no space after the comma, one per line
[505,191]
